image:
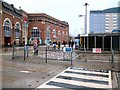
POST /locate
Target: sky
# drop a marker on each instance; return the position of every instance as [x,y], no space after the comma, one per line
[65,10]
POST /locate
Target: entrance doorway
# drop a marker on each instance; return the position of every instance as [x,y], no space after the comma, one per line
[7,41]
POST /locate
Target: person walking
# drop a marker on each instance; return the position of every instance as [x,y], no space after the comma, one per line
[69,43]
[59,45]
[72,43]
[35,47]
[54,45]
[64,43]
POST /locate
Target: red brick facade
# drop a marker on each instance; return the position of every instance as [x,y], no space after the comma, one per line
[39,25]
[49,27]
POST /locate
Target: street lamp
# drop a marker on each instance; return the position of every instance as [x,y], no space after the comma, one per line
[86,4]
[85,23]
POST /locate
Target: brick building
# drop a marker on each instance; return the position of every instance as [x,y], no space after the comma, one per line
[18,25]
[46,28]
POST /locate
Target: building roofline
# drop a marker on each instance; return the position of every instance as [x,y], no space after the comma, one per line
[20,12]
[47,16]
[96,11]
[108,10]
[112,10]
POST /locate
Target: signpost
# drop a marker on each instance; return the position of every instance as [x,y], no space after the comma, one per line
[68,50]
[25,47]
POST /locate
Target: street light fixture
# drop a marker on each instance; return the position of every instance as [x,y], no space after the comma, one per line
[84,29]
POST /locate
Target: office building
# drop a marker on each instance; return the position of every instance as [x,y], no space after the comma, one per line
[102,21]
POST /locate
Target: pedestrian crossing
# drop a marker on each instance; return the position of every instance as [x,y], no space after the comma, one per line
[74,78]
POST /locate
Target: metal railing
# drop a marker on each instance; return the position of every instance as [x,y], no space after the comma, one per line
[44,53]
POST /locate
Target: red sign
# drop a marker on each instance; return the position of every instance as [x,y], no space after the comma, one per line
[96,50]
[25,20]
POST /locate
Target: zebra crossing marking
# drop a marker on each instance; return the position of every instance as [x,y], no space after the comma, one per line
[91,79]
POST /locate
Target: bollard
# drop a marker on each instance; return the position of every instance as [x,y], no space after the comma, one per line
[46,55]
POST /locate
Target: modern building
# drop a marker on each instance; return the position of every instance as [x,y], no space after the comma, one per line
[105,41]
[102,21]
[20,26]
[97,22]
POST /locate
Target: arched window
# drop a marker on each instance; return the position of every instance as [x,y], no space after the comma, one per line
[17,30]
[7,28]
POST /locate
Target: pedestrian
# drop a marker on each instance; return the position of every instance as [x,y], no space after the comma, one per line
[35,47]
[14,43]
[59,45]
[72,43]
[69,43]
[64,43]
[48,45]
[54,45]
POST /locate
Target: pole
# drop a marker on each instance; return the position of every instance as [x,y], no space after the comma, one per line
[112,58]
[25,47]
[86,4]
[13,52]
[24,53]
[71,58]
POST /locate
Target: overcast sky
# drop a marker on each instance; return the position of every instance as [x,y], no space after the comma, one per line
[65,10]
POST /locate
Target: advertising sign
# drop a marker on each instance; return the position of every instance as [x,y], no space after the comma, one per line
[96,50]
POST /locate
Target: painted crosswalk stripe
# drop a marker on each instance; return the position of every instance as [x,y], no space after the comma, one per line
[80,78]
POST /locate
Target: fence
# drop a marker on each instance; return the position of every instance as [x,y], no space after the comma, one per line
[106,56]
[44,53]
[17,52]
[50,53]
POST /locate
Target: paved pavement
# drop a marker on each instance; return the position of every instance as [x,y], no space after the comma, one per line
[33,72]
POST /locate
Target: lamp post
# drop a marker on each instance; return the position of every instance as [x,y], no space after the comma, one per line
[85,24]
[86,4]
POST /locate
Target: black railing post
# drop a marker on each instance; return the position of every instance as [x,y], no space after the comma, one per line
[71,58]
[46,55]
[13,52]
[24,52]
[112,58]
[27,50]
